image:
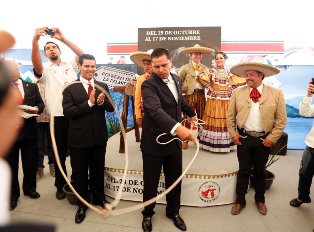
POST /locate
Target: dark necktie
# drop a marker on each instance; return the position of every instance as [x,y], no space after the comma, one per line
[90,89]
[255,95]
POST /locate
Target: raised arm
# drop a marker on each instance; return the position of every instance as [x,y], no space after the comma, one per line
[59,36]
[36,57]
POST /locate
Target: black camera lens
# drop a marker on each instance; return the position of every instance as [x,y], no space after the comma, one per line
[49,32]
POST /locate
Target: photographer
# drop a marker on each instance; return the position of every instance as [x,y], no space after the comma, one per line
[307,163]
[55,74]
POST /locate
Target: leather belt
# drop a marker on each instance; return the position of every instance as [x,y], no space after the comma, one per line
[254,133]
[198,91]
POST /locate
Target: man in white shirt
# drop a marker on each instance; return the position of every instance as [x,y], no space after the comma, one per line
[256,119]
[56,74]
[307,163]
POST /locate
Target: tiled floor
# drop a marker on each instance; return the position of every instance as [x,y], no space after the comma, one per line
[280,218]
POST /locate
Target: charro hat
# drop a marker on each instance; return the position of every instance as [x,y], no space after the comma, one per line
[241,68]
[198,48]
[6,40]
[138,57]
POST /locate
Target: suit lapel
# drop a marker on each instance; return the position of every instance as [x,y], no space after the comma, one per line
[264,94]
[178,86]
[162,85]
[26,89]
[247,94]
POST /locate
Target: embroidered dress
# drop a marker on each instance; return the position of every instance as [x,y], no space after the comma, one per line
[213,135]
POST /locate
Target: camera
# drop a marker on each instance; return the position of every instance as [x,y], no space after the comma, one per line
[50,32]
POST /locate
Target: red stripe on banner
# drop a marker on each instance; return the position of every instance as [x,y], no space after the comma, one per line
[122,48]
[252,47]
[274,47]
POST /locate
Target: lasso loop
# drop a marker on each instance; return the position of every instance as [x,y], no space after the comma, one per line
[110,209]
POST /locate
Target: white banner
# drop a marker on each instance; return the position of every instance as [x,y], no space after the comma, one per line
[112,76]
[197,190]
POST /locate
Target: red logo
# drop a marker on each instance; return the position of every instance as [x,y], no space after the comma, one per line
[209,191]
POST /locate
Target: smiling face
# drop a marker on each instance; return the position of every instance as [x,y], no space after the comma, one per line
[196,57]
[254,78]
[88,69]
[220,60]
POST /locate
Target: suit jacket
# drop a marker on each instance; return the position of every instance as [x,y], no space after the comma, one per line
[188,75]
[31,98]
[161,113]
[87,125]
[272,111]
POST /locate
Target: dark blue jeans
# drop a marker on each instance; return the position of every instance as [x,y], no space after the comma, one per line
[306,174]
[43,136]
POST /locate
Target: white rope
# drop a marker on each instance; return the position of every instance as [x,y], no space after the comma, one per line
[110,209]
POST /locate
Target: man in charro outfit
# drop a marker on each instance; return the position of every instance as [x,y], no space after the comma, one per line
[191,87]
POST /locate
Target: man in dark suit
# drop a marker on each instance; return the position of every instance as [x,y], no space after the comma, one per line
[163,103]
[28,94]
[85,107]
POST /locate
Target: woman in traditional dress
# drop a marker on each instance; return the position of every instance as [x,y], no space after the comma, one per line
[219,83]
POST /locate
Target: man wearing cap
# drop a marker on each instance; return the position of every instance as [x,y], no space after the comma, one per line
[256,119]
[143,60]
[191,87]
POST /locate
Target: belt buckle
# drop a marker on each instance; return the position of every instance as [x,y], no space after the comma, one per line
[254,133]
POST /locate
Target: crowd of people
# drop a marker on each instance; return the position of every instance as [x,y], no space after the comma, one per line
[250,119]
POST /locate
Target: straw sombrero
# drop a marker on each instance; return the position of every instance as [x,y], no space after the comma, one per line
[240,69]
[197,48]
[138,57]
[6,41]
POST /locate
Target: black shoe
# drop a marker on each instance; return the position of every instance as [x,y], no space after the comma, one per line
[13,205]
[80,215]
[147,224]
[60,194]
[296,202]
[33,195]
[178,221]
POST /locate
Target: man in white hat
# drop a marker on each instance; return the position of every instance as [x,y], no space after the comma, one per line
[256,119]
[143,60]
[191,87]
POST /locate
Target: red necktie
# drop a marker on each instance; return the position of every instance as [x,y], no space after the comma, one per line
[255,95]
[90,89]
[19,94]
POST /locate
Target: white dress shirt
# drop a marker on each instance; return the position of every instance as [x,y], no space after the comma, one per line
[85,85]
[19,84]
[55,78]
[307,110]
[253,121]
[170,82]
